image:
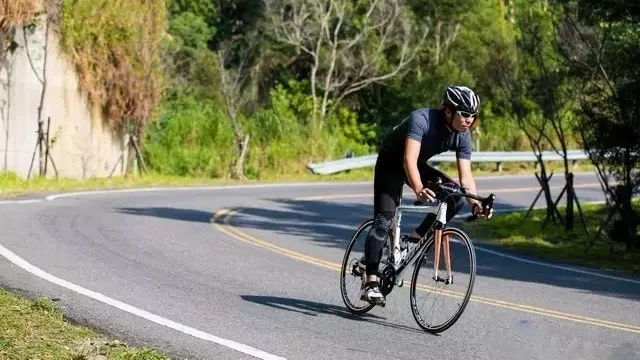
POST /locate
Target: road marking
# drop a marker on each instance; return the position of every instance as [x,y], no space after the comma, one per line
[221,220]
[190,188]
[182,188]
[245,349]
[533,309]
[237,234]
[31,201]
[586,272]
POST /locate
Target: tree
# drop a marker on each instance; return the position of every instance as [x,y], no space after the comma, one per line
[348,45]
[599,41]
[539,95]
[234,82]
[549,85]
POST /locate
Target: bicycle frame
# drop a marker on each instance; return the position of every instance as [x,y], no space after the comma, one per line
[440,210]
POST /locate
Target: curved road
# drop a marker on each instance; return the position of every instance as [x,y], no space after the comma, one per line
[252,271]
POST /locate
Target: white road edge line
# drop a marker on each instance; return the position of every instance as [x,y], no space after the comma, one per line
[585,272]
[517,258]
[245,349]
[214,187]
[7,202]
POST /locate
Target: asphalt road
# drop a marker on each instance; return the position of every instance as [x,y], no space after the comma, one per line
[250,271]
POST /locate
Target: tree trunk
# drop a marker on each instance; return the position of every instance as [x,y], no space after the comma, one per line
[627,227]
[243,146]
[568,225]
[314,95]
[131,158]
[547,192]
[437,38]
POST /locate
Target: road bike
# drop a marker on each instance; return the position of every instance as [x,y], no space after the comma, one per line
[438,293]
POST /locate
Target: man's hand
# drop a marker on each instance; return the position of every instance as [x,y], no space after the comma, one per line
[481,213]
[425,194]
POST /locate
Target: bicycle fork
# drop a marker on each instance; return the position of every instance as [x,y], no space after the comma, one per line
[442,243]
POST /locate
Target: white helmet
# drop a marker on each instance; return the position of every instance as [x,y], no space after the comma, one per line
[461,98]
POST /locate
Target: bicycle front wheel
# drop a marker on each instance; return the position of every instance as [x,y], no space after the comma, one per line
[353,269]
[439,296]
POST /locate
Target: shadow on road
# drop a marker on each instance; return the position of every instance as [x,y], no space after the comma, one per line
[332,223]
[170,213]
[314,309]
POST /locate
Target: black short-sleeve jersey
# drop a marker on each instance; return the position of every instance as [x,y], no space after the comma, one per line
[425,125]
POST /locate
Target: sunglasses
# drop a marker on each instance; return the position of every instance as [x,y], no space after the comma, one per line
[466,114]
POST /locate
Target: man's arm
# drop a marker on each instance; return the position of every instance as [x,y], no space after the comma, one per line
[411,153]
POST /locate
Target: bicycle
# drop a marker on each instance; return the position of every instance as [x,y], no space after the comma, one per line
[399,253]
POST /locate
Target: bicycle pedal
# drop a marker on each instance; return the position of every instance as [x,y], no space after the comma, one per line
[400,283]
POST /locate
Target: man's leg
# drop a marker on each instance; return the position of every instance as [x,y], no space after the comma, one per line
[387,191]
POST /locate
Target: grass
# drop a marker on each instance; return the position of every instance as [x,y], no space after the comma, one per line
[12,185]
[512,232]
[36,330]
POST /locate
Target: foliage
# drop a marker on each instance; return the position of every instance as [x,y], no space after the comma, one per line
[189,64]
[13,13]
[602,51]
[283,141]
[207,10]
[344,46]
[115,45]
[190,138]
[193,137]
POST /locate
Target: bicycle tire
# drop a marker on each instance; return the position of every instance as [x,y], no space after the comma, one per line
[461,293]
[347,276]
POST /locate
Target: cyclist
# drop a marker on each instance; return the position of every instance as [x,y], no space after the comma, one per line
[403,159]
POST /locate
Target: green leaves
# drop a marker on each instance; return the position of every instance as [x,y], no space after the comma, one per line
[190,30]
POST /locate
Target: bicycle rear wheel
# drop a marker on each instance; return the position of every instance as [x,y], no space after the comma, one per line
[436,304]
[353,269]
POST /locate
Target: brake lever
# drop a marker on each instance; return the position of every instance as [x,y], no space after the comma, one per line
[486,204]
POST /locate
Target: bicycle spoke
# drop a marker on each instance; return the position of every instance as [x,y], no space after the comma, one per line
[436,304]
[353,271]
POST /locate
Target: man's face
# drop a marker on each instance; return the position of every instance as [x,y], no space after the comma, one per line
[461,123]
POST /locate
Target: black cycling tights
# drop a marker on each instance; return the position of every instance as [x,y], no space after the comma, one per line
[387,189]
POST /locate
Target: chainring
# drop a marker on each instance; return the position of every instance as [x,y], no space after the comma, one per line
[387,279]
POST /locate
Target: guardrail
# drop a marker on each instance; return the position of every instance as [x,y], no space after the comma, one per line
[499,157]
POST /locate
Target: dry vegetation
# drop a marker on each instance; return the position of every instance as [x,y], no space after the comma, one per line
[13,13]
[115,47]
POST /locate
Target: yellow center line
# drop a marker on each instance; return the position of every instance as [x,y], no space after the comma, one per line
[237,234]
[221,221]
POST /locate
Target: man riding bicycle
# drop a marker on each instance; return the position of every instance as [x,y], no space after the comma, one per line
[403,159]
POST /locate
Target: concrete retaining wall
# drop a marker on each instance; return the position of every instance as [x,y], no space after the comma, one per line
[83,146]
